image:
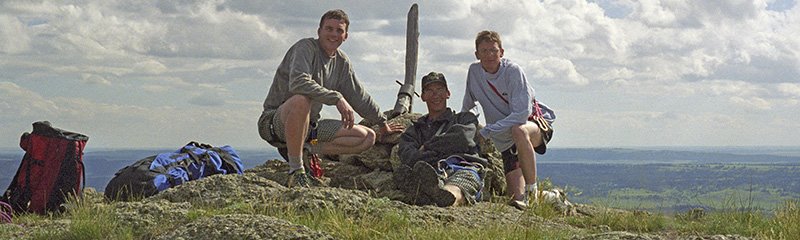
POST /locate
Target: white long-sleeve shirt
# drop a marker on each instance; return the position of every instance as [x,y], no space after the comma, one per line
[510,81]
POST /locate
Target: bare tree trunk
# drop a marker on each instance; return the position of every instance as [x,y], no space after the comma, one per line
[404,96]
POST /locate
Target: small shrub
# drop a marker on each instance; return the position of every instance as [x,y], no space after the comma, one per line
[785,224]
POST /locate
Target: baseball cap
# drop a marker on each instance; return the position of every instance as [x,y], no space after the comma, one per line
[433,77]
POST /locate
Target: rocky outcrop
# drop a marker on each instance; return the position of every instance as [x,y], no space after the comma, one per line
[372,169]
[181,209]
[255,194]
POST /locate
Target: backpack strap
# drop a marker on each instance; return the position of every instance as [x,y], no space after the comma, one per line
[6,212]
[537,111]
[497,92]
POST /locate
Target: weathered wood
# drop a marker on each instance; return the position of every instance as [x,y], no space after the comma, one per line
[404,99]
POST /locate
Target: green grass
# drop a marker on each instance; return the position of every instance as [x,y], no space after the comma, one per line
[97,221]
[82,221]
[636,221]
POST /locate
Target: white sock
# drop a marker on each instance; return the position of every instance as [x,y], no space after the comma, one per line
[295,163]
[531,188]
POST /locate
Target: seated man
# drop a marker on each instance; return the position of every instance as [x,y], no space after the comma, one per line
[438,152]
[505,94]
[315,72]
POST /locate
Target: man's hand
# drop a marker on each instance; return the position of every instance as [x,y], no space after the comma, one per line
[388,129]
[347,113]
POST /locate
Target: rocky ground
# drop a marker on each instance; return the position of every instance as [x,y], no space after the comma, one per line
[222,191]
[357,185]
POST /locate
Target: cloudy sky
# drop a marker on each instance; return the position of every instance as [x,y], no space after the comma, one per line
[157,73]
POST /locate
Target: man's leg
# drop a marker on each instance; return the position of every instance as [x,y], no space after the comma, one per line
[464,185]
[348,141]
[525,137]
[294,114]
[453,189]
[515,184]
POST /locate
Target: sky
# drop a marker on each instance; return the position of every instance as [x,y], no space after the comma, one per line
[158,73]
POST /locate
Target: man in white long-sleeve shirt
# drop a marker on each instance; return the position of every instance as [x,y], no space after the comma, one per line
[504,94]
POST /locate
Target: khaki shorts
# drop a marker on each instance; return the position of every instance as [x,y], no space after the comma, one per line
[271,129]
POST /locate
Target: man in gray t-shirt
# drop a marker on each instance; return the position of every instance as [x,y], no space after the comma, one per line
[315,72]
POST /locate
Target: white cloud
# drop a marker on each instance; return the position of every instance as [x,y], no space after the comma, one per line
[725,87]
[17,102]
[150,66]
[791,89]
[13,38]
[752,102]
[94,79]
[143,63]
[556,70]
[125,125]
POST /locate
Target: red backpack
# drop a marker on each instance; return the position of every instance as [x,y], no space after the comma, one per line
[51,169]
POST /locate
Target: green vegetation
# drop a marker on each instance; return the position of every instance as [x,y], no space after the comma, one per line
[86,220]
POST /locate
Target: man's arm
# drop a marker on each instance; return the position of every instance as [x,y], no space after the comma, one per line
[459,138]
[468,104]
[410,149]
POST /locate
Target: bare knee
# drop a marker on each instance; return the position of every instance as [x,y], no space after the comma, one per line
[297,104]
[519,133]
[369,139]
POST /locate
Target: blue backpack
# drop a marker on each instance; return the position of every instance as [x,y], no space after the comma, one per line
[157,173]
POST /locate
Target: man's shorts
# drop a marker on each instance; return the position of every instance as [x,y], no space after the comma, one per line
[469,182]
[271,129]
[463,174]
[510,158]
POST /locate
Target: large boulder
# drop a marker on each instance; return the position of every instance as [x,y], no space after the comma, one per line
[376,157]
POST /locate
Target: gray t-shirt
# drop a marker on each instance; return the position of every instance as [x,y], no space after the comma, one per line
[306,70]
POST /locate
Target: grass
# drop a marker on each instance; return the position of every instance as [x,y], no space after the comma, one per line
[82,221]
[97,221]
[636,221]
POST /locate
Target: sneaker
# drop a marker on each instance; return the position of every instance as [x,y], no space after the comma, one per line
[432,185]
[297,178]
[522,204]
[519,204]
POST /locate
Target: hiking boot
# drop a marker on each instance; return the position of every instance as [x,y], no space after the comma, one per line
[403,179]
[519,204]
[297,178]
[432,185]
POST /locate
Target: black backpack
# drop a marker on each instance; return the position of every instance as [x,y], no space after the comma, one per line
[154,174]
